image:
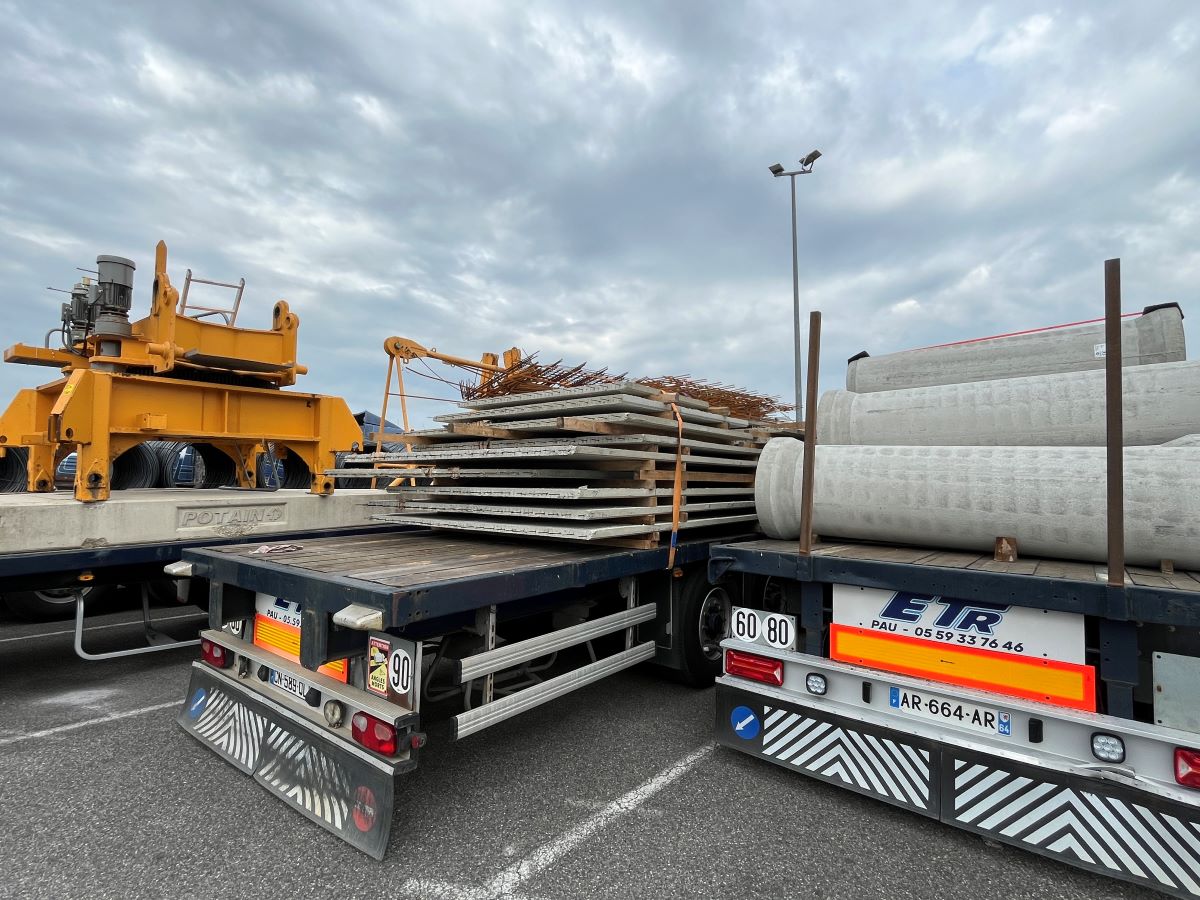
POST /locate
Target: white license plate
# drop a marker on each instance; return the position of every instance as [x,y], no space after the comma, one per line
[949,711]
[758,627]
[289,683]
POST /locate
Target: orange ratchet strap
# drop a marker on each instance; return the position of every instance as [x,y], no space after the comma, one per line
[677,493]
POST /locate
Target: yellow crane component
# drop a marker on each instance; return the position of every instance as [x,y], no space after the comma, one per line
[166,342]
[400,351]
[168,377]
[405,350]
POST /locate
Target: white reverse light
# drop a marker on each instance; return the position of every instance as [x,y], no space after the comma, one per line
[815,683]
[1108,748]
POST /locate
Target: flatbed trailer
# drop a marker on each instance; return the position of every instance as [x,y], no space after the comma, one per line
[318,659]
[1028,702]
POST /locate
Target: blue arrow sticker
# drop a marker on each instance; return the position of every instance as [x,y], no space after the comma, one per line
[197,703]
[745,723]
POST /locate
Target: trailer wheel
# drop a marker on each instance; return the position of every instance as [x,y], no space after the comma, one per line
[705,611]
[51,603]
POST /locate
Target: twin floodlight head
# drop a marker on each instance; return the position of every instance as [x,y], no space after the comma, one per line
[806,165]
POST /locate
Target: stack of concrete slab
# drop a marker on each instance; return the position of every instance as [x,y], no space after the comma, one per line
[597,463]
[960,444]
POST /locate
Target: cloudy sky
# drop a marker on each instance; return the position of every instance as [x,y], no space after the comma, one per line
[590,180]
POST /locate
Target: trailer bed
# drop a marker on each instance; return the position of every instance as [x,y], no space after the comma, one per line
[411,577]
[1148,595]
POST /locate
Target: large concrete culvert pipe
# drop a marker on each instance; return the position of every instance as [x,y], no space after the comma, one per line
[1155,336]
[1161,403]
[1051,499]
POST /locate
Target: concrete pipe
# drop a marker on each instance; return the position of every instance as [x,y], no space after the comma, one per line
[1156,336]
[1161,403]
[1051,499]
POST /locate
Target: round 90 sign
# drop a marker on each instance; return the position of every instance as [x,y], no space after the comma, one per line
[400,671]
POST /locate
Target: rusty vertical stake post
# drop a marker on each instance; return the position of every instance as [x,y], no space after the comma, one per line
[810,432]
[1115,422]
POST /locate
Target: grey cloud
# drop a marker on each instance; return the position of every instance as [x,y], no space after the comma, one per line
[590,181]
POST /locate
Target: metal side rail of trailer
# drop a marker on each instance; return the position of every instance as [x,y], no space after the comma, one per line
[320,656]
[932,681]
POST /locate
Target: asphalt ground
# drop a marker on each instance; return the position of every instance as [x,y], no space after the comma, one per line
[613,792]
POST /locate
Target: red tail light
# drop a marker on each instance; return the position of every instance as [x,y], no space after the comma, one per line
[754,667]
[373,733]
[215,654]
[1187,767]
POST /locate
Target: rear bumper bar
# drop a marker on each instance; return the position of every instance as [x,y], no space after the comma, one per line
[1086,821]
[344,789]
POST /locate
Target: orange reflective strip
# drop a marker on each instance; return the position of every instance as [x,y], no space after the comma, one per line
[336,669]
[284,640]
[1044,680]
[274,635]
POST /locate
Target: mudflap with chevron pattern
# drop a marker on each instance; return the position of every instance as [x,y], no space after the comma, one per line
[1100,826]
[1096,825]
[895,768]
[343,790]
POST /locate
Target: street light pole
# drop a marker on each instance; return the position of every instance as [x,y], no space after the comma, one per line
[796,300]
[777,170]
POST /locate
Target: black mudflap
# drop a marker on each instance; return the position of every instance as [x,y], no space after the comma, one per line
[895,768]
[1095,825]
[342,789]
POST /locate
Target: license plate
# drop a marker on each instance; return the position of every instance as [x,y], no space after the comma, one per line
[289,683]
[951,712]
[758,627]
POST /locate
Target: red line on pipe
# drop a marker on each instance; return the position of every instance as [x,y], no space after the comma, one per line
[1026,331]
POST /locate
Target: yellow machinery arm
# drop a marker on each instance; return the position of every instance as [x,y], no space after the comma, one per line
[406,350]
[150,380]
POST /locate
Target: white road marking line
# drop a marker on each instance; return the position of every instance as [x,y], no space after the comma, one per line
[431,889]
[113,717]
[504,886]
[43,634]
[506,883]
[596,805]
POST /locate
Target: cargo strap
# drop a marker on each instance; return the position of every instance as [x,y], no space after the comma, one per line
[677,493]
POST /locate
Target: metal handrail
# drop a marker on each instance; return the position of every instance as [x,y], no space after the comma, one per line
[229,314]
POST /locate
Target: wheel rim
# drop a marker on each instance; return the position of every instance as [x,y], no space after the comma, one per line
[714,622]
[61,596]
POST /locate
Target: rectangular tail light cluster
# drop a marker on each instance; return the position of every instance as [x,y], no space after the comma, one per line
[755,667]
[373,733]
[1187,767]
[215,655]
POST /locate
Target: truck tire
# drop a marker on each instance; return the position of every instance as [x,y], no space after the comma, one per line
[51,603]
[704,622]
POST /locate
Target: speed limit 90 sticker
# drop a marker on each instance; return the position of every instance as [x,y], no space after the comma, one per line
[400,671]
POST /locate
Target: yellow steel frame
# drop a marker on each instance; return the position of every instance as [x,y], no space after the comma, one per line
[103,414]
[165,341]
[101,411]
